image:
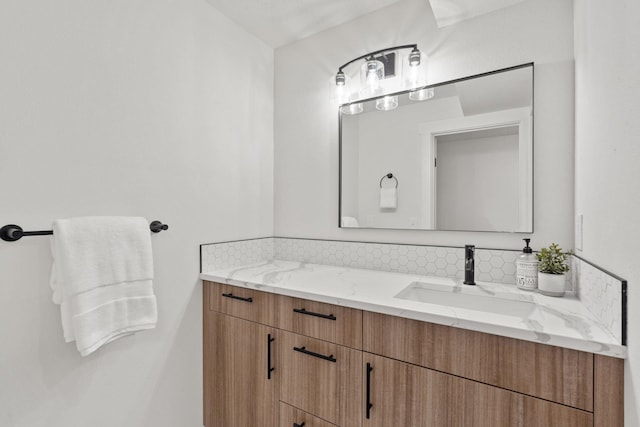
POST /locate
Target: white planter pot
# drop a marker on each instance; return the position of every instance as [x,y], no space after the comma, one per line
[551,284]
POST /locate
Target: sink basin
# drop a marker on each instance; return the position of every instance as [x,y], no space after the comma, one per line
[467,297]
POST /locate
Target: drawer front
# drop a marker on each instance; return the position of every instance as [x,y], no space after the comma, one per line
[402,394]
[341,325]
[321,378]
[552,373]
[244,303]
[292,417]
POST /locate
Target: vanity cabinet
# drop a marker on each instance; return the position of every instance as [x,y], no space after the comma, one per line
[272,360]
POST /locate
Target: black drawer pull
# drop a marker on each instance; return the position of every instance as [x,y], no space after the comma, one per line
[269,368]
[298,425]
[369,405]
[311,313]
[330,358]
[232,296]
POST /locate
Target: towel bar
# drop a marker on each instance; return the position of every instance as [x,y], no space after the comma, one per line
[12,232]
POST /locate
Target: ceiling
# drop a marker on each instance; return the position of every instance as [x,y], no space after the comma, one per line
[280,22]
[449,12]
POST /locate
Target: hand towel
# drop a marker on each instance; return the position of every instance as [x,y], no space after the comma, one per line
[102,278]
[349,221]
[388,198]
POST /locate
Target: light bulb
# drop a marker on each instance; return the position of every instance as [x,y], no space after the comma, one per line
[371,73]
[340,89]
[414,70]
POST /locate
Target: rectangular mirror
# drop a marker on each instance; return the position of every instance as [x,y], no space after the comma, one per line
[453,156]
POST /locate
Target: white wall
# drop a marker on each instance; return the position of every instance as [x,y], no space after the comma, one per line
[306,123]
[161,109]
[484,170]
[607,51]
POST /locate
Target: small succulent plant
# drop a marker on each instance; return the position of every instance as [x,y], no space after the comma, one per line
[553,260]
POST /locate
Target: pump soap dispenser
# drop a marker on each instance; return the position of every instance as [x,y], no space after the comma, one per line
[527,269]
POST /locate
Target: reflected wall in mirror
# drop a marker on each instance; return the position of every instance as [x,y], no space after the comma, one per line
[461,157]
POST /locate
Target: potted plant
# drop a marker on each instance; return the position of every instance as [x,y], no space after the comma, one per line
[552,266]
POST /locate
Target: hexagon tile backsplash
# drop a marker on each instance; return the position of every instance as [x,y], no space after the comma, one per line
[492,265]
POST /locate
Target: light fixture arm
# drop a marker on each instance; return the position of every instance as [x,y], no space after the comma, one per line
[377,52]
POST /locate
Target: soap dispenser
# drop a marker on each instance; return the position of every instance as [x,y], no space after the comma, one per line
[527,269]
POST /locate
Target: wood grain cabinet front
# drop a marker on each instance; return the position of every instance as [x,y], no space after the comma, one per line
[329,322]
[241,302]
[293,417]
[402,394]
[321,378]
[552,373]
[241,384]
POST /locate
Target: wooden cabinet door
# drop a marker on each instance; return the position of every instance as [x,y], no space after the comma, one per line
[243,389]
[293,417]
[321,378]
[400,394]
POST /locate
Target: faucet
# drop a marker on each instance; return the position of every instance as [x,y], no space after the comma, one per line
[469,264]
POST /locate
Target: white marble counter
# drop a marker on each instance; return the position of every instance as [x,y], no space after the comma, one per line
[501,309]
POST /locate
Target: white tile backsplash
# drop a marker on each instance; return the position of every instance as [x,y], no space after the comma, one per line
[601,293]
[492,265]
[216,256]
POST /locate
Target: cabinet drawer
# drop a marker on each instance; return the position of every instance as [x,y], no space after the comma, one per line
[552,373]
[321,378]
[401,394]
[292,417]
[341,325]
[240,302]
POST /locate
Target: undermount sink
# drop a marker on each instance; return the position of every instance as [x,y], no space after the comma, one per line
[467,297]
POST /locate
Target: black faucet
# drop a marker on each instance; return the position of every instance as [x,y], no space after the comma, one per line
[469,264]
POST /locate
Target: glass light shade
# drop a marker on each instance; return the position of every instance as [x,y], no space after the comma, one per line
[387,103]
[371,73]
[422,94]
[414,71]
[340,92]
[352,109]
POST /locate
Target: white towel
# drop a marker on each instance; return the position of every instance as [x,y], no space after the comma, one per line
[349,221]
[388,198]
[102,278]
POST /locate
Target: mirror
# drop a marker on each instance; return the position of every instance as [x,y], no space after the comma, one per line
[460,159]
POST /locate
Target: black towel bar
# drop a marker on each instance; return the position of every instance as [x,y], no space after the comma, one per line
[12,232]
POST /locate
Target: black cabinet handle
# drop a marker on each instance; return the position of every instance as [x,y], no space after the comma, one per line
[330,358]
[232,296]
[311,313]
[369,405]
[269,368]
[298,425]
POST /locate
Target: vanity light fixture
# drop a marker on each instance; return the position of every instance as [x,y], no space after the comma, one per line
[378,66]
[352,109]
[387,103]
[422,94]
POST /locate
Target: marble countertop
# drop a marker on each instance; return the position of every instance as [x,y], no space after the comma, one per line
[487,307]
